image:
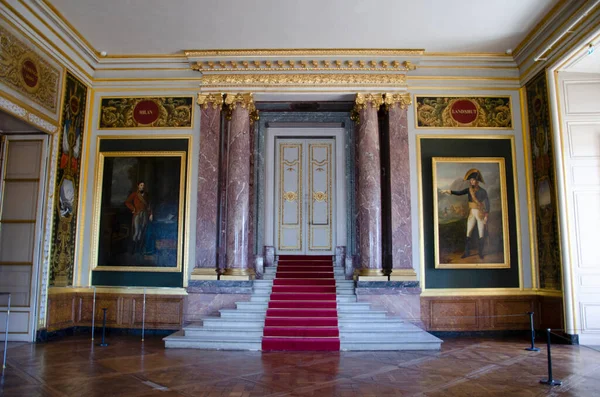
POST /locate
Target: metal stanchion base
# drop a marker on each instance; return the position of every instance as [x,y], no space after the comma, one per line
[103,344]
[532,349]
[552,382]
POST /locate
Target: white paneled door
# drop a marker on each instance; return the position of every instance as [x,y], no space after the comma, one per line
[23,175]
[305,196]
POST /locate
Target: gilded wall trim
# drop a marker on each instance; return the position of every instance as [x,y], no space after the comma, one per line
[292,65]
[303,80]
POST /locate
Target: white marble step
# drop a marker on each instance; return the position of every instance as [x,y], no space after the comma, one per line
[389,346]
[373,324]
[236,323]
[178,340]
[224,332]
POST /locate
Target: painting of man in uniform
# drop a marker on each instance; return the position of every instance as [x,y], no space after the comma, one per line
[140,215]
[470,213]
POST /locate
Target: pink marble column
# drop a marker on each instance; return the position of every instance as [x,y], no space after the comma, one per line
[396,105]
[238,185]
[208,180]
[369,185]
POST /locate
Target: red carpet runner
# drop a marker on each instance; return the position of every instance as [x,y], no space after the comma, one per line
[302,311]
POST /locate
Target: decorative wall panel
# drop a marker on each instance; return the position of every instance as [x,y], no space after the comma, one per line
[463,112]
[28,71]
[146,112]
[66,188]
[548,256]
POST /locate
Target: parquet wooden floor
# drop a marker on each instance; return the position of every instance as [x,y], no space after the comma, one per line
[465,367]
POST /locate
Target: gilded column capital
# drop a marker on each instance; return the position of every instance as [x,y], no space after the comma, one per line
[402,100]
[215,99]
[362,100]
[246,101]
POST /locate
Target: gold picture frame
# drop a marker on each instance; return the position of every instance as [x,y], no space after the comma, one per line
[114,247]
[471,226]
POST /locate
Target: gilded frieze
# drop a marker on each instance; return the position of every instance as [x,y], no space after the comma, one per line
[303,80]
[25,71]
[146,112]
[463,112]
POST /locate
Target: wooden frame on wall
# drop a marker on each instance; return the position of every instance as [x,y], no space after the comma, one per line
[459,205]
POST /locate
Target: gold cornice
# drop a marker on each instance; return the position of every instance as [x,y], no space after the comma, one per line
[302,80]
[402,100]
[305,52]
[281,65]
[216,100]
[362,101]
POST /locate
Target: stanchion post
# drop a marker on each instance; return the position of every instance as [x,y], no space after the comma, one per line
[550,381]
[103,343]
[532,348]
[93,312]
[6,334]
[144,315]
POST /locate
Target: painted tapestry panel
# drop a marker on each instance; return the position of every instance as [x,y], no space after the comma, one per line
[146,112]
[67,183]
[463,112]
[544,184]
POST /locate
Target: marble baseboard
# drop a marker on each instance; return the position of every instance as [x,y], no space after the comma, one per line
[220,286]
[200,305]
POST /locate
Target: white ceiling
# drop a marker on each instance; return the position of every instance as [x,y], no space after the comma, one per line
[170,26]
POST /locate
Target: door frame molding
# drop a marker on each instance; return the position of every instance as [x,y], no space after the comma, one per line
[302,122]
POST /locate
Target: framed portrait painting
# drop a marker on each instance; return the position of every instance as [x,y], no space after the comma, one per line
[470,213]
[139,211]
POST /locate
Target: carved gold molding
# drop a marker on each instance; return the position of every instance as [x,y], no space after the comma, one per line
[246,101]
[268,65]
[362,101]
[302,80]
[402,100]
[216,100]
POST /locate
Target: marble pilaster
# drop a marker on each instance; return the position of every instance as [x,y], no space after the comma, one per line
[238,186]
[368,198]
[208,185]
[399,169]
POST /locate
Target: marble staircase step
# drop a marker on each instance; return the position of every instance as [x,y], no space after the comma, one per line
[181,341]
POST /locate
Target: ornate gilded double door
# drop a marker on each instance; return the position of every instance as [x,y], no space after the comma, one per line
[305,195]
